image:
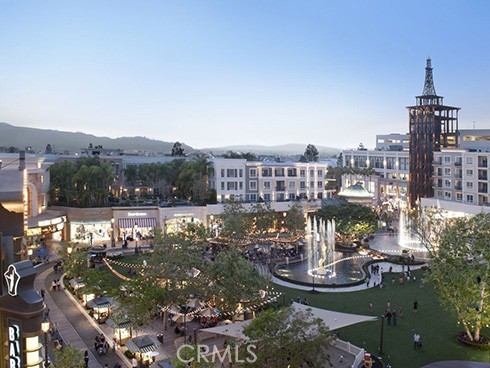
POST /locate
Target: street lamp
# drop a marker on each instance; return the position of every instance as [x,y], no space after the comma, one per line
[381,336]
[69,249]
[113,239]
[45,326]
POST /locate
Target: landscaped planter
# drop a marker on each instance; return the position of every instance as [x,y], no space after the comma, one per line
[484,342]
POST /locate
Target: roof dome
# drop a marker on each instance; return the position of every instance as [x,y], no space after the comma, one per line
[356,191]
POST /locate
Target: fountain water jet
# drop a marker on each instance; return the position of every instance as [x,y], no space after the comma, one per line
[320,240]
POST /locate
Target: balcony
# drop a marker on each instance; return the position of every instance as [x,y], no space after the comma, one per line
[483,189]
[280,188]
[458,163]
[458,187]
[458,176]
[482,163]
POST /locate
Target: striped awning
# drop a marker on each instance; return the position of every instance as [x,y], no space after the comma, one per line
[129,223]
[141,344]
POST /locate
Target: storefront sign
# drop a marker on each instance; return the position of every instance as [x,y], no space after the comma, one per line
[55,221]
[12,278]
[14,346]
[184,215]
[136,214]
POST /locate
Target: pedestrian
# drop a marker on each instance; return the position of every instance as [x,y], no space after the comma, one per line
[400,311]
[134,363]
[85,358]
[370,307]
[53,285]
[388,306]
[394,315]
[415,306]
[388,317]
[420,342]
[367,282]
[43,292]
[416,339]
[58,284]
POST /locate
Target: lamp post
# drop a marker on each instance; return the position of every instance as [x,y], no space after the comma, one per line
[313,274]
[381,336]
[69,249]
[113,239]
[45,326]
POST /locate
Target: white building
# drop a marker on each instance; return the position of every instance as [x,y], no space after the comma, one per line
[253,181]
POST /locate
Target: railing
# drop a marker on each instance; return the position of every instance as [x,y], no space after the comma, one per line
[458,163]
[483,163]
[351,349]
[482,177]
[280,189]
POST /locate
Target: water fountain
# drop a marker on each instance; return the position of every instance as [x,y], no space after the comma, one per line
[320,243]
[323,265]
[406,238]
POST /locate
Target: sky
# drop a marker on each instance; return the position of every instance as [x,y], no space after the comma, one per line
[218,73]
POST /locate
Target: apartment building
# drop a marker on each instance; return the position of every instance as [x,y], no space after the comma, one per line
[268,181]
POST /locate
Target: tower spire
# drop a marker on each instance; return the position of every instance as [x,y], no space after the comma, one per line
[429,89]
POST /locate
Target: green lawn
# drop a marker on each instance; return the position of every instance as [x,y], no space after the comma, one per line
[436,326]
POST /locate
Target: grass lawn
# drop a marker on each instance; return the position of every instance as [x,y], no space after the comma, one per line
[436,326]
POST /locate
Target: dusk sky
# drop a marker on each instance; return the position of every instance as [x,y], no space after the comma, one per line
[216,73]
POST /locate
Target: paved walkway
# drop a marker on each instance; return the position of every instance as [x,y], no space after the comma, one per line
[457,364]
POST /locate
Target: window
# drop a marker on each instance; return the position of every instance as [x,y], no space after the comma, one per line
[279,172]
[459,197]
[319,195]
[469,160]
[222,173]
[302,184]
[240,185]
[253,197]
[447,159]
[253,173]
[404,163]
[312,184]
[253,185]
[231,173]
[469,198]
[267,197]
[232,185]
[292,185]
[292,196]
[312,172]
[377,162]
[267,184]
[292,172]
[391,163]
[469,172]
[447,171]
[447,183]
[267,172]
[302,173]
[447,195]
[320,184]
[469,185]
[222,185]
[439,171]
[320,173]
[241,173]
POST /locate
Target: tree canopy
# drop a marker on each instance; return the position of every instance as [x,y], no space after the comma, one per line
[288,338]
[460,271]
[310,155]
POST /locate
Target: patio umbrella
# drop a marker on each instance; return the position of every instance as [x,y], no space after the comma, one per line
[194,303]
[225,322]
[208,312]
[181,318]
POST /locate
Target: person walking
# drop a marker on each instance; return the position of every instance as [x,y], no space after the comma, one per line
[370,307]
[134,363]
[415,306]
[416,339]
[85,358]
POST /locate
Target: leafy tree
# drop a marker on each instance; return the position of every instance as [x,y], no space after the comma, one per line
[340,160]
[177,149]
[311,153]
[295,219]
[351,220]
[460,271]
[61,186]
[69,357]
[287,338]
[49,149]
[264,217]
[236,221]
[233,279]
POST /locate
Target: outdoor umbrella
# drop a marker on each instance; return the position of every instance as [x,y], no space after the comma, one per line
[208,312]
[194,304]
[181,318]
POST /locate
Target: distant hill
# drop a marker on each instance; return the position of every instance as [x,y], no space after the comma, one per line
[62,141]
[281,150]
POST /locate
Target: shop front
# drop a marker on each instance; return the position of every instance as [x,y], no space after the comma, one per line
[176,219]
[47,226]
[135,224]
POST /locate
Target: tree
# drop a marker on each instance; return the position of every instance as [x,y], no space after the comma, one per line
[264,217]
[460,271]
[49,149]
[311,153]
[352,221]
[177,149]
[340,160]
[287,338]
[295,219]
[236,221]
[233,280]
[69,357]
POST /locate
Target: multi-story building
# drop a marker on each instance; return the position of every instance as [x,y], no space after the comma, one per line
[267,181]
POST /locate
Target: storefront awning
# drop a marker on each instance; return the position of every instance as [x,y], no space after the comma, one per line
[99,303]
[129,223]
[142,344]
[122,325]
